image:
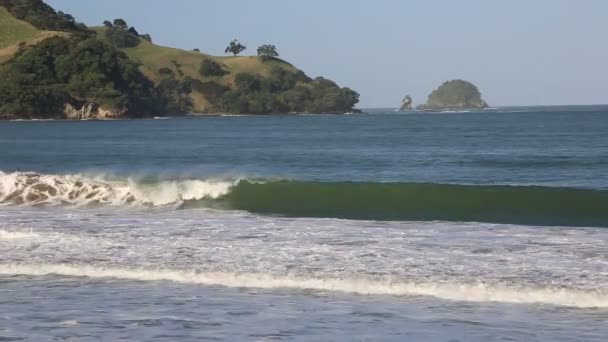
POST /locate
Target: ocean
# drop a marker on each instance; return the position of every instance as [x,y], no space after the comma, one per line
[464,226]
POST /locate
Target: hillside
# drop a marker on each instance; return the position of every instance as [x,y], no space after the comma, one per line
[14,31]
[54,67]
[153,58]
[160,63]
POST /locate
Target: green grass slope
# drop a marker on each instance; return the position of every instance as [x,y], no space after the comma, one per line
[184,63]
[14,31]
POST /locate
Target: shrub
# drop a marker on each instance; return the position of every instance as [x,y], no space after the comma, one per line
[120,38]
[213,91]
[210,68]
[166,71]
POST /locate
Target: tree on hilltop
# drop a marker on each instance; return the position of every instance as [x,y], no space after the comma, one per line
[121,23]
[268,51]
[120,35]
[235,48]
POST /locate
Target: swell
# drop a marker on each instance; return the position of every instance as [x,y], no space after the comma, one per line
[471,292]
[527,205]
[420,202]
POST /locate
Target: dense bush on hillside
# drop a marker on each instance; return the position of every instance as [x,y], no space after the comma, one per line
[120,38]
[213,91]
[120,35]
[211,68]
[285,91]
[40,80]
[175,94]
[42,16]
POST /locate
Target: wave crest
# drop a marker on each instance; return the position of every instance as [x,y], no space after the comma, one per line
[28,188]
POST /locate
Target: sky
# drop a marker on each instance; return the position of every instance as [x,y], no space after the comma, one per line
[518,52]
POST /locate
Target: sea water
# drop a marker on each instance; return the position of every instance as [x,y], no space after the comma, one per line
[486,226]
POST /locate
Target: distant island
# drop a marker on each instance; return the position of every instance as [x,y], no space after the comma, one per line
[455,94]
[54,67]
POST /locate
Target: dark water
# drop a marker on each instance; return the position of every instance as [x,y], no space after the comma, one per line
[487,226]
[562,148]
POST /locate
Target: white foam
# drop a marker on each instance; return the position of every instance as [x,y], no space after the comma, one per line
[9,235]
[458,292]
[38,189]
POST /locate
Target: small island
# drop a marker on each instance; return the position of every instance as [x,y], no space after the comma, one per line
[454,94]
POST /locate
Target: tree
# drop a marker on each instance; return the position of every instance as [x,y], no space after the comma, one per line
[235,48]
[133,31]
[68,17]
[268,51]
[107,23]
[197,50]
[146,37]
[120,38]
[121,23]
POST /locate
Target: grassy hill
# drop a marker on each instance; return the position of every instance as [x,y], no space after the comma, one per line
[14,31]
[153,58]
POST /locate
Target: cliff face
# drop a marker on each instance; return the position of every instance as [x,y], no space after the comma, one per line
[92,111]
[456,94]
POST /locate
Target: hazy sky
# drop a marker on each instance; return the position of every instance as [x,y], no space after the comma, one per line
[519,52]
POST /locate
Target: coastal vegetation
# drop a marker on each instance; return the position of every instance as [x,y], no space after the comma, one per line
[114,71]
[42,80]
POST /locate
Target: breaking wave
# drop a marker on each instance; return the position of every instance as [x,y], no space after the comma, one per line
[526,205]
[77,190]
[473,292]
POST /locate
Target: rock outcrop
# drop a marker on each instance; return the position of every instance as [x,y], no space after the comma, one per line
[455,94]
[91,111]
[406,104]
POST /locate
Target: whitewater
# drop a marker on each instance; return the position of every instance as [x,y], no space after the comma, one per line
[501,263]
[30,188]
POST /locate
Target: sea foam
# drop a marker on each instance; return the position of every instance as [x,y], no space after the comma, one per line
[9,235]
[473,292]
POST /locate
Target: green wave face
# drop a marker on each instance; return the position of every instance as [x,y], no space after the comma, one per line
[419,202]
